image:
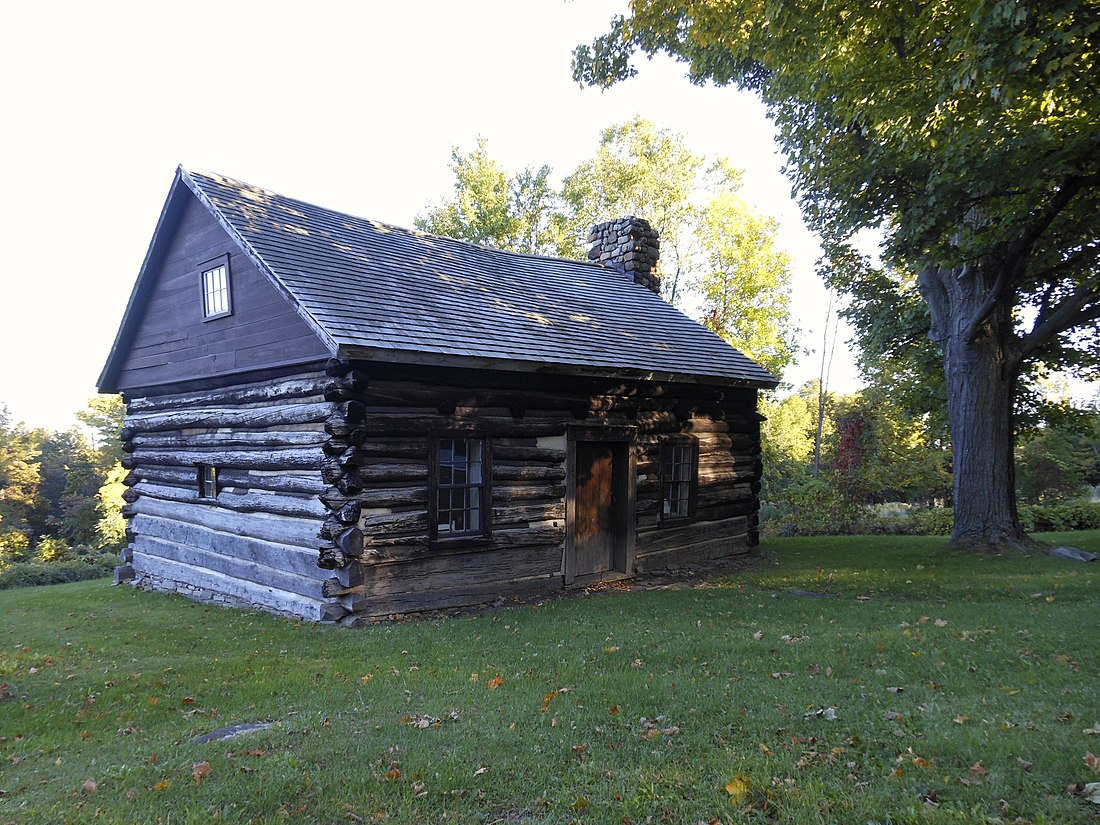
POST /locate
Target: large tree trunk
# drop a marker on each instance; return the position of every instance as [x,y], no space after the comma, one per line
[981,389]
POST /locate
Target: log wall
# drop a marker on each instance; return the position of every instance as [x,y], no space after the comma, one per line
[377,527]
[254,544]
[323,503]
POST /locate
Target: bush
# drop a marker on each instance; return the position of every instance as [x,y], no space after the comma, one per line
[1069,515]
[33,574]
[936,521]
[812,508]
[53,551]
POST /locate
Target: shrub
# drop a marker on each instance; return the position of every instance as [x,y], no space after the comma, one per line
[1069,515]
[935,521]
[33,574]
[52,551]
[812,508]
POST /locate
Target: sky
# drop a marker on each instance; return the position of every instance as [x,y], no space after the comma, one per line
[352,106]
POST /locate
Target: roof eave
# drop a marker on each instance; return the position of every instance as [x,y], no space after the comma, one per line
[436,359]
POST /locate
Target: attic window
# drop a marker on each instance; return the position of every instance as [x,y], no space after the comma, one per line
[215,288]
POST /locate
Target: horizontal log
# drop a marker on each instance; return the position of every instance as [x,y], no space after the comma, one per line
[280,504]
[392,447]
[504,493]
[703,550]
[725,510]
[527,455]
[243,592]
[665,538]
[705,425]
[242,480]
[239,418]
[442,598]
[300,561]
[287,458]
[490,566]
[393,497]
[524,472]
[496,426]
[385,549]
[547,511]
[415,521]
[298,532]
[299,387]
[372,474]
[239,438]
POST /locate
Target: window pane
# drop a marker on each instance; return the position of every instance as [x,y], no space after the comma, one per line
[215,288]
[459,481]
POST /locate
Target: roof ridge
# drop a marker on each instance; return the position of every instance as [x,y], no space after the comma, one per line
[238,183]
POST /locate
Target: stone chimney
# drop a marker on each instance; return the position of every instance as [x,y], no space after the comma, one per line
[630,244]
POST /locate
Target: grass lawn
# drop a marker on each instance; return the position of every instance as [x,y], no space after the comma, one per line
[930,688]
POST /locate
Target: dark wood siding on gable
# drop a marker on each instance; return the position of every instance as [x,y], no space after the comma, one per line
[173,343]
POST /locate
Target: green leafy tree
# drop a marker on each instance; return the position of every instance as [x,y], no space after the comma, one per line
[19,481]
[968,131]
[716,253]
[745,282]
[1061,459]
[642,170]
[519,212]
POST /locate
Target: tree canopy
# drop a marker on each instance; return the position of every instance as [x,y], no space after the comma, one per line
[968,132]
[719,258]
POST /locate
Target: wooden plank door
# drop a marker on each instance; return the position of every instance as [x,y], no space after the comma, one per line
[594,513]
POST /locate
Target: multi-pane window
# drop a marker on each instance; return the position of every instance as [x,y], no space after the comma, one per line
[215,291]
[678,480]
[460,487]
[208,481]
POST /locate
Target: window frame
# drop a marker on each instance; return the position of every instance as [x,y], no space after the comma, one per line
[206,476]
[220,262]
[485,508]
[668,463]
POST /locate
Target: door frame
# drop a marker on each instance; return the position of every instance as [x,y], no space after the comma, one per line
[624,473]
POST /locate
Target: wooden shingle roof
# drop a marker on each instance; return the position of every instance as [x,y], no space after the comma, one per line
[377,292]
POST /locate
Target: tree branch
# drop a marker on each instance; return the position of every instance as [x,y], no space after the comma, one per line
[1087,255]
[1018,252]
[1072,311]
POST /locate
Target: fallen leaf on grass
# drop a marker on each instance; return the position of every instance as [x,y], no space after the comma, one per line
[1093,731]
[1024,765]
[1092,792]
[961,720]
[738,788]
[977,770]
[495,682]
[200,770]
[366,678]
[1092,762]
[90,786]
[783,674]
[481,770]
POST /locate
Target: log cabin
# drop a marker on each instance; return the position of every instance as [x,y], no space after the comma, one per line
[341,420]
